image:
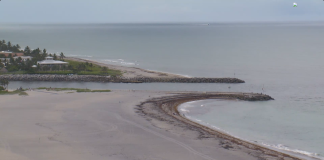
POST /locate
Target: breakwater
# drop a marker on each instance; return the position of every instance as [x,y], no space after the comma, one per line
[165,109]
[95,78]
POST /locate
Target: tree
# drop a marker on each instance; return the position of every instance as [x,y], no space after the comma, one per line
[91,65]
[9,45]
[44,54]
[104,70]
[55,57]
[62,56]
[4,83]
[82,67]
[18,46]
[19,60]
[27,50]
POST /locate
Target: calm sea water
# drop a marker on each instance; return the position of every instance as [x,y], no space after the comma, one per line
[286,60]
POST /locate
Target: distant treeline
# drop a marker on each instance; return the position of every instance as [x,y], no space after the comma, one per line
[8,46]
[18,66]
[12,64]
[37,54]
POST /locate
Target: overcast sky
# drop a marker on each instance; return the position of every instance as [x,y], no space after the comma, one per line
[151,11]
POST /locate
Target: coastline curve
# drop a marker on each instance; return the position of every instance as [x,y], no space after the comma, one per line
[159,108]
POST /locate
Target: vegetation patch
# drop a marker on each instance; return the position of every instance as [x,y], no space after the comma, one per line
[19,92]
[14,64]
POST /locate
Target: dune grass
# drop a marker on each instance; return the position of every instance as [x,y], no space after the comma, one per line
[94,70]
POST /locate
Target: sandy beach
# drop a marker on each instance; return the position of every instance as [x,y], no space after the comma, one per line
[130,72]
[99,126]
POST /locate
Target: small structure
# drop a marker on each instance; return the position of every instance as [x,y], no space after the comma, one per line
[50,62]
[5,59]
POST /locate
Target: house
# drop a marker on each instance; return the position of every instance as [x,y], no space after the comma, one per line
[23,58]
[4,64]
[6,53]
[5,59]
[50,62]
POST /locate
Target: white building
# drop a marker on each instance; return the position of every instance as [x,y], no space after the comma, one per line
[50,62]
[5,59]
[23,58]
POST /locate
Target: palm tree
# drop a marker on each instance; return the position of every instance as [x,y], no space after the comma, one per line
[9,45]
[27,50]
[62,56]
[55,57]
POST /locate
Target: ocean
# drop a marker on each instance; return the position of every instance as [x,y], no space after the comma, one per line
[284,60]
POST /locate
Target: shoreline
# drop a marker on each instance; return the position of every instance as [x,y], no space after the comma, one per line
[130,72]
[121,124]
[289,151]
[130,75]
[169,106]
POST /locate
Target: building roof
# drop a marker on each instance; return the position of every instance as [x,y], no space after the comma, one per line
[7,54]
[23,57]
[51,62]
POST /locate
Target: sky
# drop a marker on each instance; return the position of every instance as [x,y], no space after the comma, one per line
[158,11]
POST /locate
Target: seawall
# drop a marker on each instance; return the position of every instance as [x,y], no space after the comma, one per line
[95,78]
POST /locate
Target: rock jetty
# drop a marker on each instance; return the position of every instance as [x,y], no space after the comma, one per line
[95,78]
[165,110]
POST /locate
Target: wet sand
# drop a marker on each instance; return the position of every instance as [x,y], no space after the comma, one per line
[49,125]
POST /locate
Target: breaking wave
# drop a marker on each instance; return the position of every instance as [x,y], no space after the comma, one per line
[75,55]
[120,61]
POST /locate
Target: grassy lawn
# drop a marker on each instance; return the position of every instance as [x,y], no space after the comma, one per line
[74,89]
[16,72]
[21,93]
[94,70]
